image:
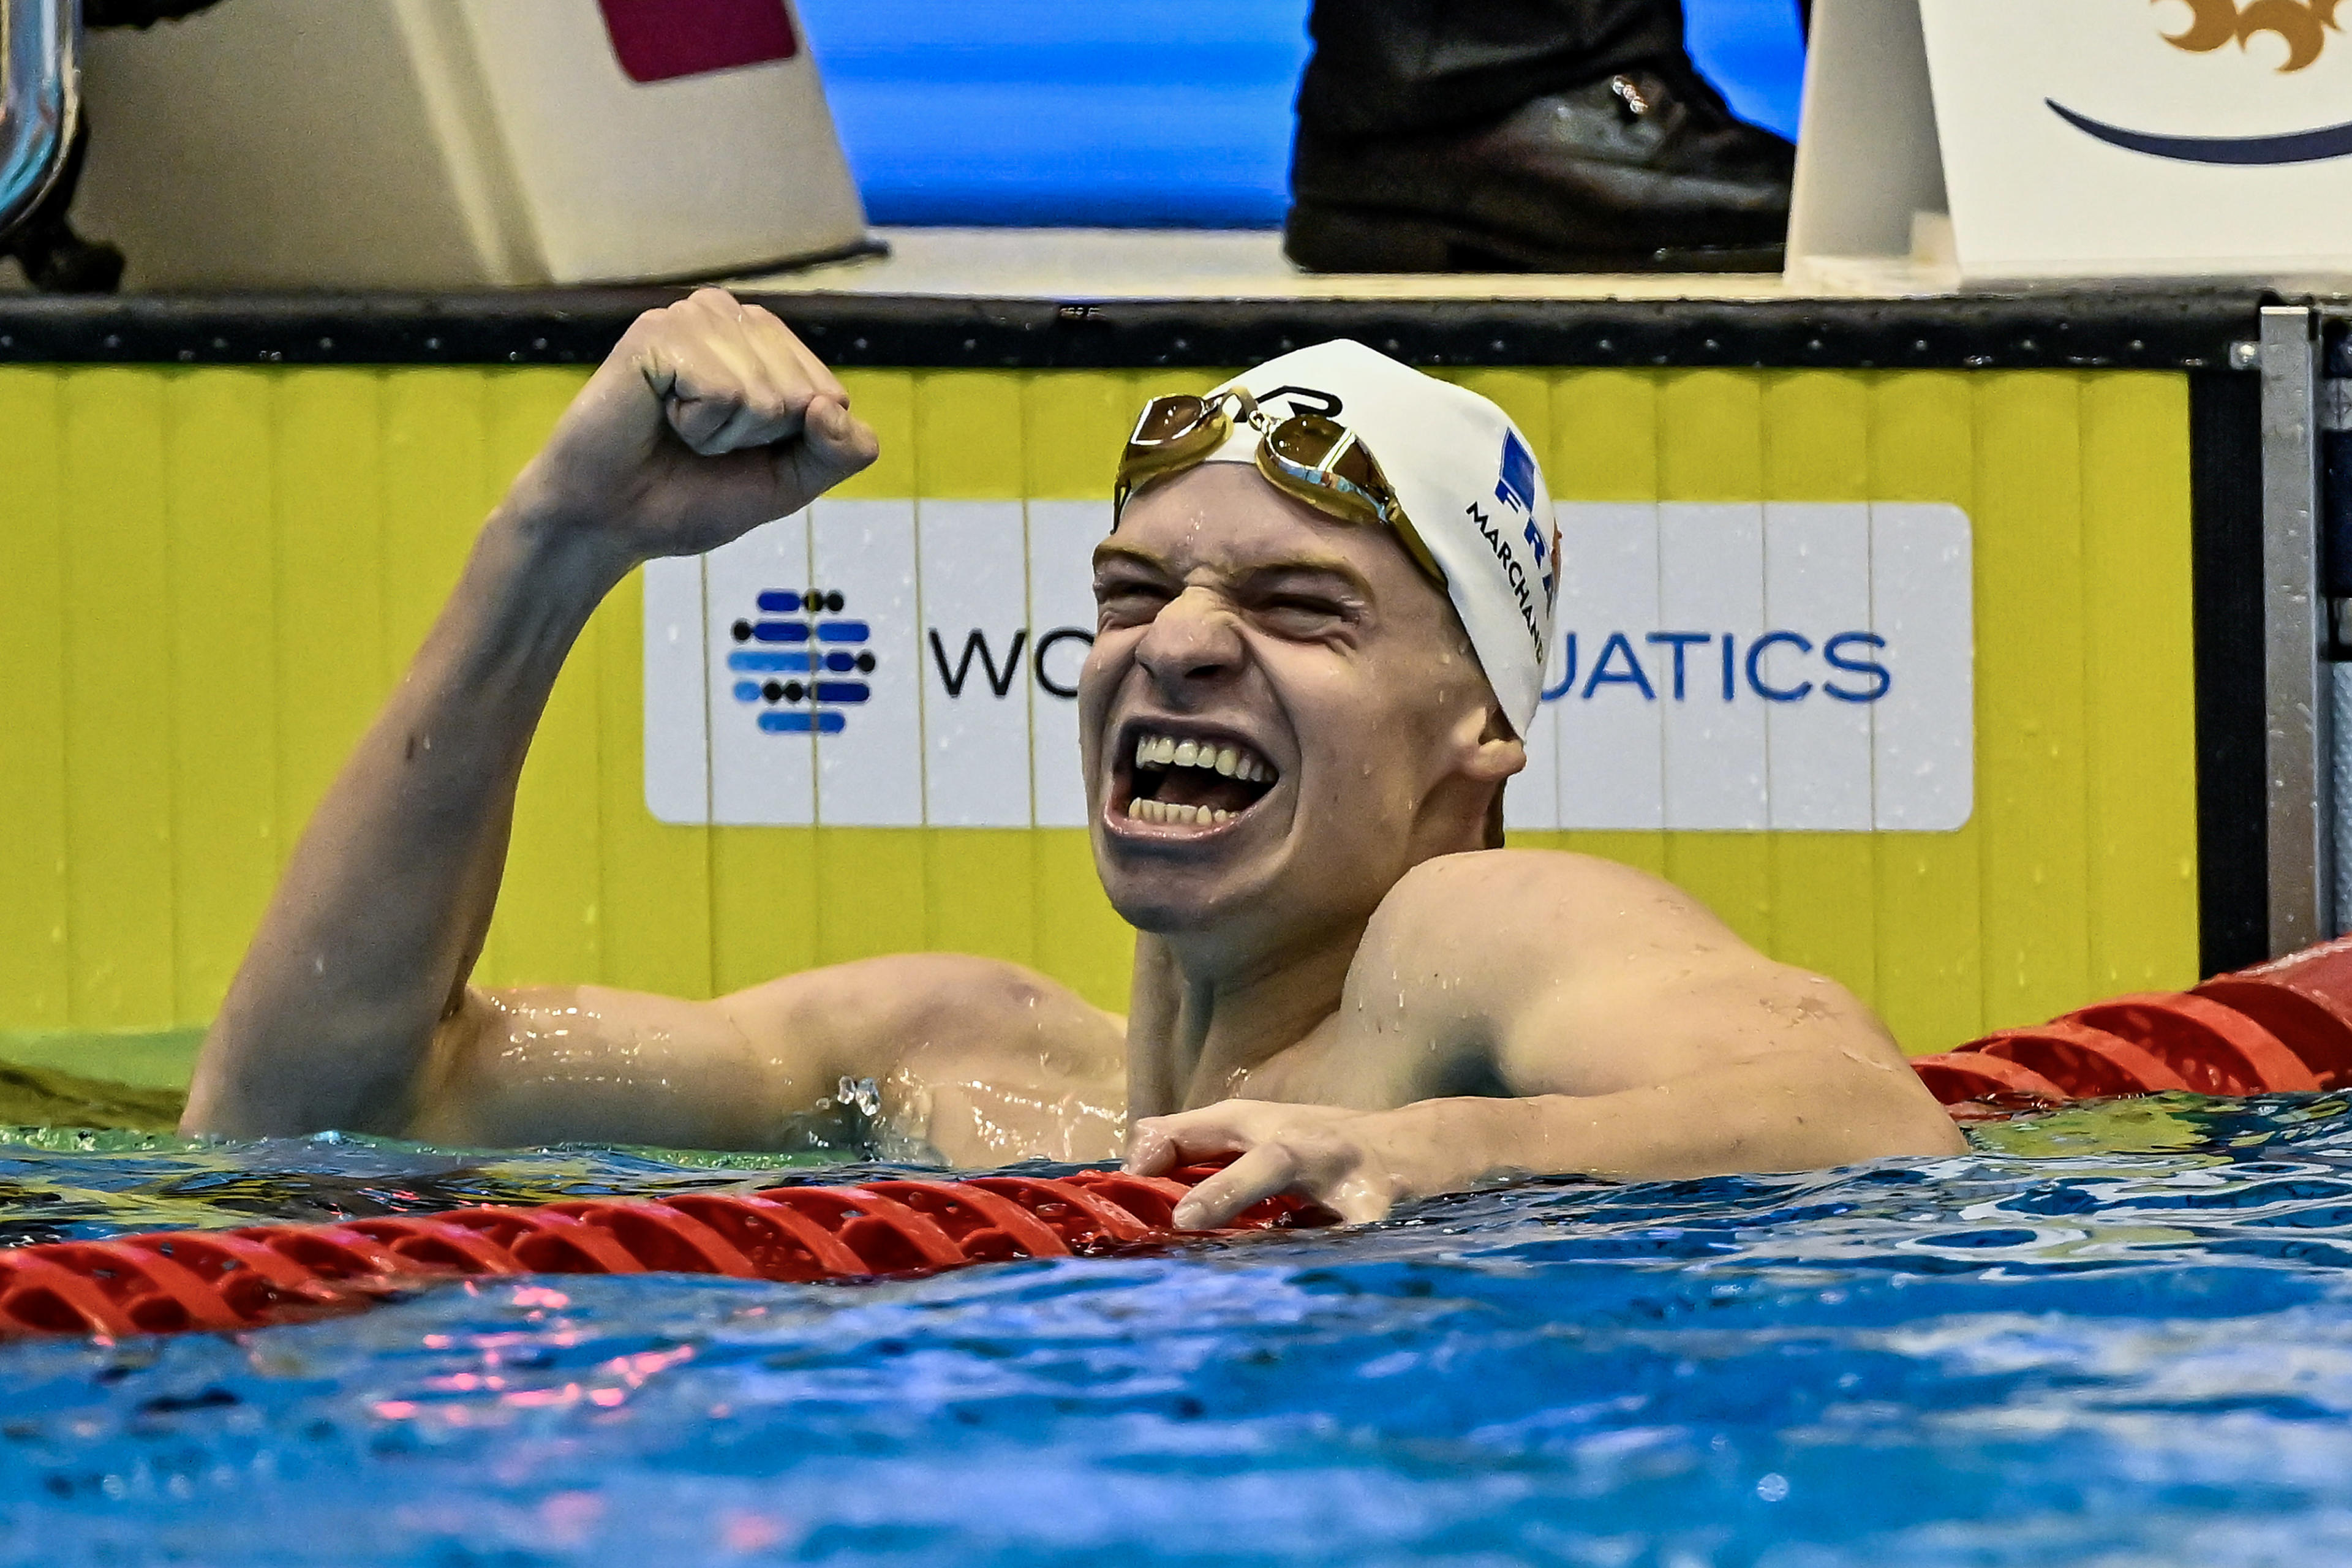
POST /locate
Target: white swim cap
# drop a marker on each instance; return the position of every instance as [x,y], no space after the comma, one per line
[1468,480]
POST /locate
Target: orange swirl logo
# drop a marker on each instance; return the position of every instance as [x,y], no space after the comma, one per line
[2302,25]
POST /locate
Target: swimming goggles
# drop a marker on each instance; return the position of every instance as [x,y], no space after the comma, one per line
[1314,459]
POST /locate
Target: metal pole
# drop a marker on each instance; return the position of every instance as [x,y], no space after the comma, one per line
[40,98]
[2298,690]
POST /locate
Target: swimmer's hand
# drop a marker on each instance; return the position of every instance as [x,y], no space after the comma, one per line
[1356,1164]
[707,419]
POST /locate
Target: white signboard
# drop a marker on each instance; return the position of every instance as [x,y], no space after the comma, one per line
[1722,666]
[875,664]
[2078,138]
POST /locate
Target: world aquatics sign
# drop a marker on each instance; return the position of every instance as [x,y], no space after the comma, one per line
[1725,667]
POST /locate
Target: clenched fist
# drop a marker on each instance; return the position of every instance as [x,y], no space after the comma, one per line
[707,419]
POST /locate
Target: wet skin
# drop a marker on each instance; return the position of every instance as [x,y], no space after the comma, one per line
[1290,756]
[1231,615]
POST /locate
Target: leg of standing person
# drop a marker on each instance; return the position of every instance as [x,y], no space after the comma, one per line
[1547,135]
[55,259]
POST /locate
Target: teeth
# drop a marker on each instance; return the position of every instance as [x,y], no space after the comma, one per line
[1166,752]
[1233,762]
[1169,814]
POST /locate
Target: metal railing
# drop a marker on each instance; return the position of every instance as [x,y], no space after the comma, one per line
[40,99]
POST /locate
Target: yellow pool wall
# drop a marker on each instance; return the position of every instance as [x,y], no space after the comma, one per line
[210,577]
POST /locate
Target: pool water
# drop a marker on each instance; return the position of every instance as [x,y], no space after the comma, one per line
[2120,1334]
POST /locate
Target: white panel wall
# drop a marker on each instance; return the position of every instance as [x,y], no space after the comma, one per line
[678,757]
[1612,745]
[869,771]
[1711,581]
[1817,743]
[1062,539]
[975,599]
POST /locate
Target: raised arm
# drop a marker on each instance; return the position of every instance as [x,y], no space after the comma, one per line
[709,419]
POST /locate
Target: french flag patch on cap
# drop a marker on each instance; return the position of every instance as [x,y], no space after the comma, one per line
[1516,487]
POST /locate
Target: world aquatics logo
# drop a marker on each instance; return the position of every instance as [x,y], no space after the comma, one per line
[799,661]
[2305,26]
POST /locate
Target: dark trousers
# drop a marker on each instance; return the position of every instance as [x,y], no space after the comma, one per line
[1385,67]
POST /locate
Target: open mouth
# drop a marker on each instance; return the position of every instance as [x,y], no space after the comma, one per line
[1191,782]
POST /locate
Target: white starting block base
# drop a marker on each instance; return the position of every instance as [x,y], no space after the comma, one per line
[2000,143]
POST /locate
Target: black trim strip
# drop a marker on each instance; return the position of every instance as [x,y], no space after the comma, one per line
[2226,558]
[2106,329]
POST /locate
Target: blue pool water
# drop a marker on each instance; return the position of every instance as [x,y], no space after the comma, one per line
[2118,1335]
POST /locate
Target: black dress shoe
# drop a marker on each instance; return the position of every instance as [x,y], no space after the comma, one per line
[1647,171]
[56,259]
[141,13]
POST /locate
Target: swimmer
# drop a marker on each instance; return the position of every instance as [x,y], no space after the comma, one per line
[1322,620]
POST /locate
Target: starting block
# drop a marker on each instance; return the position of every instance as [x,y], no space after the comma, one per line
[1953,143]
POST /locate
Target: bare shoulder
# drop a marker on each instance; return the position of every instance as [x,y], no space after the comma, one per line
[980,1060]
[1488,936]
[1512,903]
[1584,976]
[587,1062]
[924,1004]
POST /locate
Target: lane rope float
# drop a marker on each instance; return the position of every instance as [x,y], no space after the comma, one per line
[2279,1027]
[179,1281]
[2282,1027]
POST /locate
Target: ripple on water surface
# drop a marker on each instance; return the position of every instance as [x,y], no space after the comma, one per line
[2116,1335]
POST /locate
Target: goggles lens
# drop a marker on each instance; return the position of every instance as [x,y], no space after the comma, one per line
[1172,433]
[1166,419]
[1310,457]
[1326,454]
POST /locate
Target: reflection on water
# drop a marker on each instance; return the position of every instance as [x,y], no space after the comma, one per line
[145,1181]
[2118,1334]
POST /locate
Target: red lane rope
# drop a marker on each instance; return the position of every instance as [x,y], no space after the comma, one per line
[2281,1026]
[183,1281]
